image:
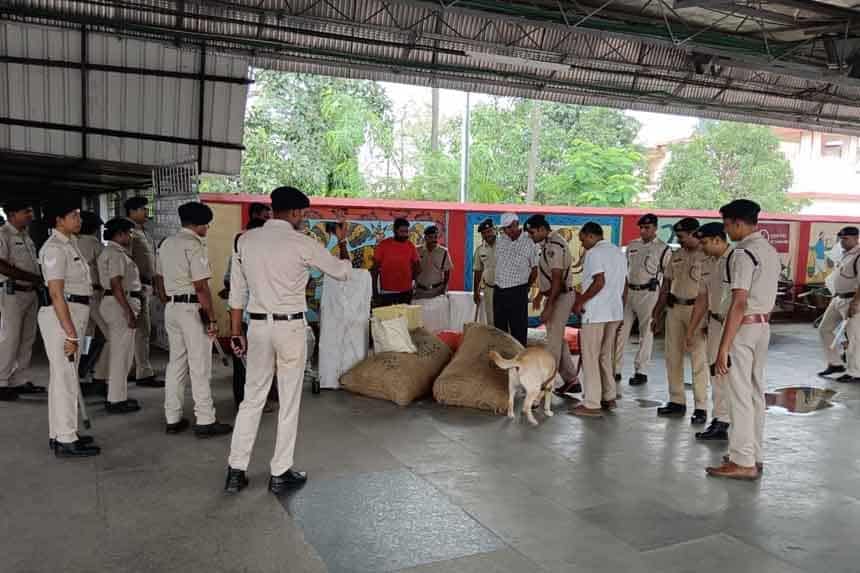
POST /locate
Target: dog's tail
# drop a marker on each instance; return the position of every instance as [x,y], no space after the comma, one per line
[503,363]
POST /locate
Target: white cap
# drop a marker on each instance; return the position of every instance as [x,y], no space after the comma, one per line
[508,219]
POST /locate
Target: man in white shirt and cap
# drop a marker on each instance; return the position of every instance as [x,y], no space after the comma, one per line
[516,271]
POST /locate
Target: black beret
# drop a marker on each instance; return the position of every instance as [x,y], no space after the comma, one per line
[848,232]
[741,209]
[195,213]
[537,222]
[60,208]
[117,225]
[485,224]
[288,199]
[648,219]
[134,203]
[431,230]
[711,230]
[687,225]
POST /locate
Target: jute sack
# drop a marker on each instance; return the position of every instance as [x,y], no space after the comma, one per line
[470,379]
[400,377]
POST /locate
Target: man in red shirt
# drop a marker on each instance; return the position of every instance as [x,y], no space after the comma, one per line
[395,266]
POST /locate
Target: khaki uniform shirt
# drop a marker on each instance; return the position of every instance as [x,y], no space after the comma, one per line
[270,269]
[754,267]
[685,270]
[114,261]
[90,247]
[711,284]
[433,266]
[62,260]
[845,277]
[555,254]
[647,261]
[485,261]
[18,250]
[143,254]
[182,261]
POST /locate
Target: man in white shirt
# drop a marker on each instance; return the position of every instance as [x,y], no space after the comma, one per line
[601,306]
[516,271]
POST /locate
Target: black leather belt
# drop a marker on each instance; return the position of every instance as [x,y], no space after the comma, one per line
[845,295]
[146,282]
[20,287]
[431,287]
[263,316]
[189,298]
[77,298]
[718,317]
[646,286]
[673,300]
[136,294]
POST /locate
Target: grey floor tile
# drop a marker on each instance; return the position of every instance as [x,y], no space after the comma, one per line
[715,554]
[502,561]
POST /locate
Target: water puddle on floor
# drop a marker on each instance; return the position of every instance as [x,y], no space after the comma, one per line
[648,403]
[800,399]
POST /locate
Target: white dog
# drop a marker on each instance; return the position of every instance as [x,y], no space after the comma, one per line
[533,369]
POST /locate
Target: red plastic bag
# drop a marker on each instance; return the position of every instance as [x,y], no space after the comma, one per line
[571,336]
[451,338]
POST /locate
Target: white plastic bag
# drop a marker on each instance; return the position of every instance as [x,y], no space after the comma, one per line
[392,336]
[435,313]
[344,325]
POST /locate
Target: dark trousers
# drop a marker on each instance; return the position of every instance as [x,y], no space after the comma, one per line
[511,311]
[239,378]
[392,298]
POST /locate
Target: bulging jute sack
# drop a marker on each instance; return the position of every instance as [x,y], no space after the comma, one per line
[400,377]
[470,379]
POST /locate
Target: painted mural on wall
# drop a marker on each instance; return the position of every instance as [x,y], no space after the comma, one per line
[779,235]
[367,227]
[823,251]
[568,226]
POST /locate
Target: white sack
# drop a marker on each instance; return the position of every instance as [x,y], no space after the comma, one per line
[344,326]
[435,312]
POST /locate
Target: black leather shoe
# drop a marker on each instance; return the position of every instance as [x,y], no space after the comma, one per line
[75,450]
[83,440]
[716,431]
[123,407]
[672,409]
[28,388]
[211,430]
[236,481]
[832,369]
[847,378]
[699,417]
[178,427]
[150,382]
[288,480]
[618,378]
[638,379]
[94,388]
[8,395]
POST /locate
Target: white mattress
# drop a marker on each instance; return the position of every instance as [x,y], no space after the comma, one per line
[344,326]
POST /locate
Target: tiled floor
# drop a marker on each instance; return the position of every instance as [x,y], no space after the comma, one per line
[430,489]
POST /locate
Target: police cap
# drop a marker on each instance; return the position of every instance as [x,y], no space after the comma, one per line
[711,230]
[17,205]
[686,225]
[289,199]
[647,219]
[537,222]
[60,207]
[848,232]
[741,210]
[485,224]
[195,213]
[431,230]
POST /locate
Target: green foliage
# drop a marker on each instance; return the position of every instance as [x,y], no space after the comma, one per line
[726,161]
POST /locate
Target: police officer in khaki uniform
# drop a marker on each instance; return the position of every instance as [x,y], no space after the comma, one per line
[844,305]
[183,268]
[435,266]
[269,274]
[678,292]
[711,306]
[63,324]
[484,266]
[143,253]
[90,245]
[647,258]
[121,304]
[751,274]
[555,291]
[19,275]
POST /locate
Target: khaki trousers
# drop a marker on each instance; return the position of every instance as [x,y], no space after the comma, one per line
[122,346]
[836,312]
[852,331]
[17,335]
[271,344]
[719,384]
[747,385]
[598,345]
[190,357]
[143,369]
[102,368]
[640,305]
[63,378]
[555,341]
[487,303]
[677,320]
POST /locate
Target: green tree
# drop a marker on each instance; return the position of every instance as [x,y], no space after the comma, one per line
[726,161]
[308,131]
